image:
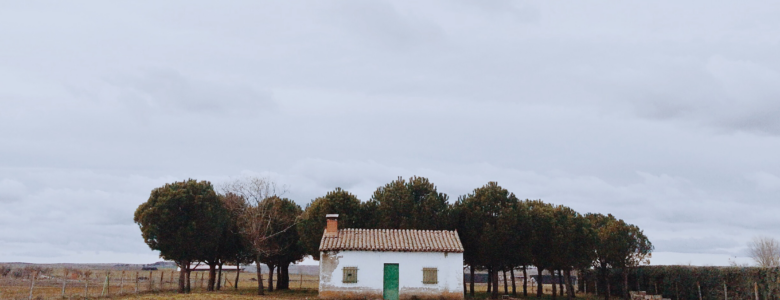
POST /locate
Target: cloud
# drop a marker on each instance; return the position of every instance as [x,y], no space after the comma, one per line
[711,244]
[11,190]
[382,25]
[93,213]
[765,181]
[723,93]
[669,125]
[166,91]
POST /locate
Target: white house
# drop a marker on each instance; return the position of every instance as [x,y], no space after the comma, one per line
[390,264]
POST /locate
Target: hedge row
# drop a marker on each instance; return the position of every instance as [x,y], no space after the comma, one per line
[683,282]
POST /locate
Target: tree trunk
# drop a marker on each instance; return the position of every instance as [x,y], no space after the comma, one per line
[182,277]
[260,290]
[625,283]
[569,288]
[554,286]
[494,275]
[270,277]
[189,272]
[286,274]
[471,283]
[279,279]
[189,281]
[238,271]
[283,283]
[212,277]
[514,286]
[278,276]
[489,281]
[605,278]
[219,277]
[560,283]
[525,282]
[539,281]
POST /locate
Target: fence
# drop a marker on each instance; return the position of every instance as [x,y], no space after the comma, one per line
[102,283]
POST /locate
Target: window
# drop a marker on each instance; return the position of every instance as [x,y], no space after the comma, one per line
[350,275]
[430,276]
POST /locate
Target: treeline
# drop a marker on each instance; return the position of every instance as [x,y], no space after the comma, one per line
[248,222]
[691,282]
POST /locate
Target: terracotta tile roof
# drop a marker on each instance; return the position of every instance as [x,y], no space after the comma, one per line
[400,240]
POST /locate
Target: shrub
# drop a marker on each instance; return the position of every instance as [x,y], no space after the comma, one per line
[683,282]
[4,270]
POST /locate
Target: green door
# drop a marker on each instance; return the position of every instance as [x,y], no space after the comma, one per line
[391,282]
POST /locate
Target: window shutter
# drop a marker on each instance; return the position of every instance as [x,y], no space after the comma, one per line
[350,275]
[430,276]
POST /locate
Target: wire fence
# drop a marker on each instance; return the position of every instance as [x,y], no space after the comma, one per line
[97,284]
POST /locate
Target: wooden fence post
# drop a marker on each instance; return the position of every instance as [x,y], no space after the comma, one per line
[64,281]
[725,292]
[300,287]
[86,286]
[136,282]
[162,281]
[170,284]
[32,284]
[105,286]
[755,285]
[151,284]
[121,282]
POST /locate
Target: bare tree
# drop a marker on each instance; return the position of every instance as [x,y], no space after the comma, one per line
[257,220]
[765,251]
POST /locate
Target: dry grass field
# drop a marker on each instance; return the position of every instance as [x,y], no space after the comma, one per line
[137,285]
[141,285]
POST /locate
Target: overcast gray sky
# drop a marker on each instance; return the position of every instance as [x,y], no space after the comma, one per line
[663,113]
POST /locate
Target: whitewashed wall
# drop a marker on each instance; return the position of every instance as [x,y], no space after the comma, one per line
[410,275]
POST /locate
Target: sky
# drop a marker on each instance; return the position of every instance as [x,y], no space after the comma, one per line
[665,114]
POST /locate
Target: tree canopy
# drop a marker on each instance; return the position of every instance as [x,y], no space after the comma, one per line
[413,204]
[312,222]
[184,221]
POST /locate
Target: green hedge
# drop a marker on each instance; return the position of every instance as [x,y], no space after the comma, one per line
[680,282]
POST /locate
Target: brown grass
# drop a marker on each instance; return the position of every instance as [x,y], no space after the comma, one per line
[51,288]
[302,287]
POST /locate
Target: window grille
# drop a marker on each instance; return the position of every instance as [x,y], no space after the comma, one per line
[350,274]
[430,276]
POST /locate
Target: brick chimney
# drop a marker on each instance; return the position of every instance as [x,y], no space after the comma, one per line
[333,225]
